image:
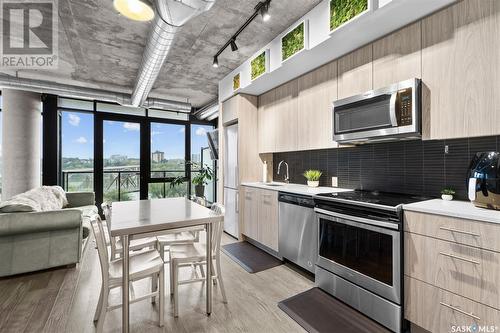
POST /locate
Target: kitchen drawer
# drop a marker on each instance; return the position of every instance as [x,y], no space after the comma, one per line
[439,311]
[462,269]
[474,233]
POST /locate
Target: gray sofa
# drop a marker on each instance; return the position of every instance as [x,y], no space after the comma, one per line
[32,241]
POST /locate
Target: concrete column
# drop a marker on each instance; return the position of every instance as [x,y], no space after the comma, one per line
[21,141]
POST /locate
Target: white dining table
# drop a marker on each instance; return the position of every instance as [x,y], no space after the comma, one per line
[144,218]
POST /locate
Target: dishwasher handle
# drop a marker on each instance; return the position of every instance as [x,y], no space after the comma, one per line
[296,200]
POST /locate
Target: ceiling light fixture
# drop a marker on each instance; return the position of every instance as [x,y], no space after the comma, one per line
[262,8]
[136,10]
[264,11]
[234,47]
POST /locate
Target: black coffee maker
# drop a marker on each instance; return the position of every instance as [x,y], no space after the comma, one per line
[484,180]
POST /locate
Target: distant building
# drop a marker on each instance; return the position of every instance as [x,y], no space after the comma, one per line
[196,158]
[158,156]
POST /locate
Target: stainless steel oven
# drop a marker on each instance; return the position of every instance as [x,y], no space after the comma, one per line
[387,114]
[360,252]
[364,251]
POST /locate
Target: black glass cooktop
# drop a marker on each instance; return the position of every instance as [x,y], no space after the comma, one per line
[375,197]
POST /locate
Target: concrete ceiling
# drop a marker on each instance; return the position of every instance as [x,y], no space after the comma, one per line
[99,48]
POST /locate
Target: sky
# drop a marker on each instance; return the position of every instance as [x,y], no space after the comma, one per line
[122,138]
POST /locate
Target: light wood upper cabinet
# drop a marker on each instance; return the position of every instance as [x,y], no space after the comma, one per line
[266,122]
[355,72]
[317,91]
[285,109]
[268,219]
[249,166]
[461,67]
[398,56]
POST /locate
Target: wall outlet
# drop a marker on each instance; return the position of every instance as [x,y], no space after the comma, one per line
[335,181]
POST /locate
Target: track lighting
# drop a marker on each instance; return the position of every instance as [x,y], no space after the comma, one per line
[262,9]
[234,47]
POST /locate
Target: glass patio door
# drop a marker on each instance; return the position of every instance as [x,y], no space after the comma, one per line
[120,168]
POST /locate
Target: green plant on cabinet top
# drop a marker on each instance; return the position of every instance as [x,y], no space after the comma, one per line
[292,42]
[258,65]
[236,82]
[342,11]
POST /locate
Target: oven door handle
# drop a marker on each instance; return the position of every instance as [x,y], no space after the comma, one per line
[357,219]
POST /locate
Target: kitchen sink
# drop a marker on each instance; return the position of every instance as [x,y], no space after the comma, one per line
[273,184]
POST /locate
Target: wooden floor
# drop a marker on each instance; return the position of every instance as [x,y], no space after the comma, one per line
[64,300]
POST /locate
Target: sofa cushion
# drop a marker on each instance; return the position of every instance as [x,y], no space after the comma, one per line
[87,211]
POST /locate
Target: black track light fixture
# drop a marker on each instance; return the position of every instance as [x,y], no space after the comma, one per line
[234,47]
[262,9]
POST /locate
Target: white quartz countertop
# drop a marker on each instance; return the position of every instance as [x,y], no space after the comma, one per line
[455,208]
[295,188]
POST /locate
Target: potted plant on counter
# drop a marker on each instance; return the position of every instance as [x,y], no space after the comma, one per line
[312,177]
[447,194]
[205,174]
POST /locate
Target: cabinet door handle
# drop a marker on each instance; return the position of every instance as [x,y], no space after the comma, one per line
[461,311]
[460,258]
[237,202]
[460,231]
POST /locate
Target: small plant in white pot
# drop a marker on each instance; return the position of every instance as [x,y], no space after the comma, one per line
[447,194]
[312,177]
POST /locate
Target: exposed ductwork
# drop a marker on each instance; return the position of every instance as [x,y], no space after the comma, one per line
[208,112]
[45,87]
[170,15]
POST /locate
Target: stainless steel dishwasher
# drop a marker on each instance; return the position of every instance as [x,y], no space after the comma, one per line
[298,231]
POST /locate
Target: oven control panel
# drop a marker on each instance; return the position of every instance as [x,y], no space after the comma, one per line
[404,106]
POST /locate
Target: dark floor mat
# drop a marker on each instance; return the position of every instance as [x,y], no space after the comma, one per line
[251,258]
[318,312]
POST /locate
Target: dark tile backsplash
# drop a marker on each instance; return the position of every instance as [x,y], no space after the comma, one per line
[413,167]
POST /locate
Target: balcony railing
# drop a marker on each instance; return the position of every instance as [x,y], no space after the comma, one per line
[123,185]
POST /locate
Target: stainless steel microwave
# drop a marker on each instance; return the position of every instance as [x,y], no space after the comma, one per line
[387,114]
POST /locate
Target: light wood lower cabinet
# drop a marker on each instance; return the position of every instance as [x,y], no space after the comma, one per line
[249,211]
[452,273]
[268,219]
[260,215]
[468,271]
[437,310]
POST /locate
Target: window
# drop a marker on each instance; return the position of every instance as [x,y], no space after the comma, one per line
[200,155]
[121,160]
[168,160]
[122,132]
[77,151]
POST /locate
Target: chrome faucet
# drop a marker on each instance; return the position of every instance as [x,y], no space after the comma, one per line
[287,177]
